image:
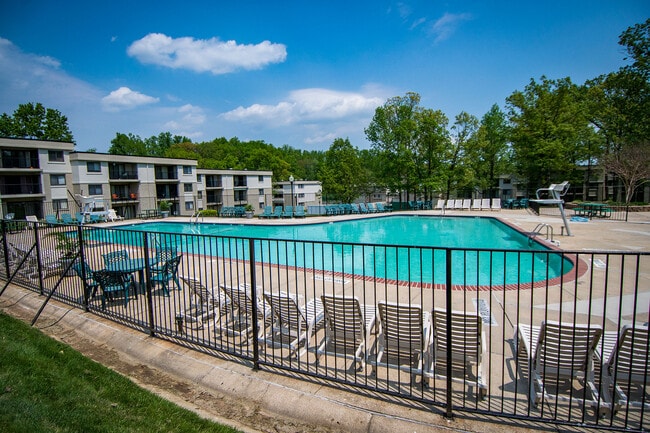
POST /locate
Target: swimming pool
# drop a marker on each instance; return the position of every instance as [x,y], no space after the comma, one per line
[484,251]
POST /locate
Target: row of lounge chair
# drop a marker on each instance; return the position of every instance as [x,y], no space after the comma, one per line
[469,204]
[283,212]
[354,208]
[66,218]
[414,341]
[408,338]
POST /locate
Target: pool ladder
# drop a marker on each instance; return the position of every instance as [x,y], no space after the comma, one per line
[194,219]
[538,230]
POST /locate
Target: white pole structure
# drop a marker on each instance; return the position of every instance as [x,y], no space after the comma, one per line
[555,194]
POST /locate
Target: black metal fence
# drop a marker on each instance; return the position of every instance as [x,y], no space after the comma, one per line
[515,334]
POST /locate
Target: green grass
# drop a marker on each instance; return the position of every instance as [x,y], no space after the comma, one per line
[45,386]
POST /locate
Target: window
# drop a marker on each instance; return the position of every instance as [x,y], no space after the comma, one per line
[95,189]
[189,205]
[187,187]
[57,179]
[59,204]
[301,186]
[93,167]
[187,169]
[260,178]
[260,191]
[199,178]
[199,194]
[55,155]
[241,195]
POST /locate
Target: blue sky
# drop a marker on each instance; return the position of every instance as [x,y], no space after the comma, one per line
[300,73]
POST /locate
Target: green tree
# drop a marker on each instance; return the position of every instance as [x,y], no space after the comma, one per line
[463,132]
[636,40]
[432,143]
[393,134]
[618,105]
[487,154]
[548,128]
[35,121]
[341,173]
[127,144]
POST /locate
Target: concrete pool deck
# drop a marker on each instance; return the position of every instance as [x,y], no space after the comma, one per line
[233,393]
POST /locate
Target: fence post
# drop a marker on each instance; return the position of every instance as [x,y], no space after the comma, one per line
[5,250]
[147,283]
[448,289]
[39,262]
[82,265]
[256,341]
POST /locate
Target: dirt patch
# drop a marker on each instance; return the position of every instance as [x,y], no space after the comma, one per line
[238,413]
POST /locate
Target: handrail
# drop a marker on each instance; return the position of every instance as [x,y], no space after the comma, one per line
[538,229]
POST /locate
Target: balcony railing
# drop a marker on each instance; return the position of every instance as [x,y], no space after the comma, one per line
[359,300]
[123,174]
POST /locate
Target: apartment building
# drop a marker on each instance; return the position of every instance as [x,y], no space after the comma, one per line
[131,185]
[217,189]
[32,173]
[297,192]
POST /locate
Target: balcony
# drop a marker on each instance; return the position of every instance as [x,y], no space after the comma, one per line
[25,161]
[12,188]
[123,174]
[166,173]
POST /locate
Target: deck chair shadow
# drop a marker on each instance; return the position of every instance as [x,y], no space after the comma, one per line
[555,352]
[293,325]
[467,348]
[625,362]
[205,305]
[404,340]
[347,329]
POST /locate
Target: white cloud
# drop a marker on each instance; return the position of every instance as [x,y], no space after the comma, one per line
[125,99]
[446,25]
[205,55]
[306,105]
[191,117]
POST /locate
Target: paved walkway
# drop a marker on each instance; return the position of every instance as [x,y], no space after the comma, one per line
[233,393]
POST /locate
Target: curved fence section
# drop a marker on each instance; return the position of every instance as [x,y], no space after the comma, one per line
[549,335]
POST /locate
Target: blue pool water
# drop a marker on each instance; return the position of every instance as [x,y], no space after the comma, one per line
[405,248]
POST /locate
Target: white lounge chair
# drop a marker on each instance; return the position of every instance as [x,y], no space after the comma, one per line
[626,361]
[467,204]
[467,348]
[458,204]
[293,326]
[485,204]
[440,205]
[112,216]
[347,328]
[496,204]
[206,304]
[239,322]
[404,339]
[560,351]
[450,205]
[477,204]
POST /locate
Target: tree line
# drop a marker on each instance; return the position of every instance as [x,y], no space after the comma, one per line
[551,130]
